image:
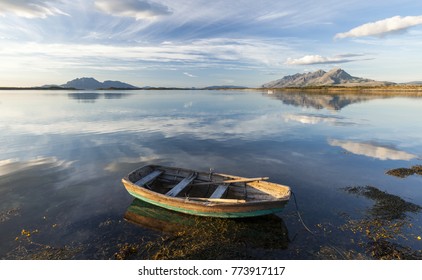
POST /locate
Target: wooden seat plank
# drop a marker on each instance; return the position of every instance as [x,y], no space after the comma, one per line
[148,178]
[219,191]
[181,185]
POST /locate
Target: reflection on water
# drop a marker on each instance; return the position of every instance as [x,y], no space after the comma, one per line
[317,118]
[322,101]
[91,97]
[208,238]
[10,166]
[61,169]
[372,150]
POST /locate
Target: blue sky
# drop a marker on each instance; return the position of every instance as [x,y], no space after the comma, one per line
[203,43]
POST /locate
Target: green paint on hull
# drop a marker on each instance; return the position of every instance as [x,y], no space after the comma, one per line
[210,214]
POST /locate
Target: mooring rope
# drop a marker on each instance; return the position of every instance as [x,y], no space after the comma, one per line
[300,217]
[310,231]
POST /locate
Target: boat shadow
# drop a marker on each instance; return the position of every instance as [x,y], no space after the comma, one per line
[194,237]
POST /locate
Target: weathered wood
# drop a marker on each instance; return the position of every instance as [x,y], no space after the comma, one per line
[263,197]
[242,180]
[222,200]
[181,185]
[219,191]
[148,178]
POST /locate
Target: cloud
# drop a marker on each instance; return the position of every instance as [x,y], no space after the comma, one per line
[216,52]
[318,59]
[382,27]
[372,150]
[273,16]
[138,9]
[29,8]
[189,75]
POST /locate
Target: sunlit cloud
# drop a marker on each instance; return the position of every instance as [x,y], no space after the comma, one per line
[152,36]
[29,8]
[318,59]
[382,27]
[138,9]
[372,150]
[189,75]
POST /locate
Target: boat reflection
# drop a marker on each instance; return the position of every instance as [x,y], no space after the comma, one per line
[267,231]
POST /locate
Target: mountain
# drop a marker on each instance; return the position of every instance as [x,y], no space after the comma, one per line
[334,77]
[117,84]
[91,83]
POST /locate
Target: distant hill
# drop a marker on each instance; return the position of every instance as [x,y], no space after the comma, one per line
[334,77]
[224,87]
[416,83]
[91,83]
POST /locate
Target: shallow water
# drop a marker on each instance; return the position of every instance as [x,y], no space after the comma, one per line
[63,154]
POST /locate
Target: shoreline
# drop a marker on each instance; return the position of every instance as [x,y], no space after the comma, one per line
[396,90]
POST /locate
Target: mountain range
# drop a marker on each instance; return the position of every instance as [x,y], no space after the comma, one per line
[334,77]
[91,83]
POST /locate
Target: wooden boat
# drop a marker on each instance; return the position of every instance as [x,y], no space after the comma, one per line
[206,193]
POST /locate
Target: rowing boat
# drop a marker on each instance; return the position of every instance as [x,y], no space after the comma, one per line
[206,193]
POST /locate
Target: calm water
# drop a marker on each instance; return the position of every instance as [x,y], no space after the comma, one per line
[62,155]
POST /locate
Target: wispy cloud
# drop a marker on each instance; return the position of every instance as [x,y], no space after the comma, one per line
[138,9]
[189,75]
[318,59]
[29,8]
[382,27]
[199,53]
[273,16]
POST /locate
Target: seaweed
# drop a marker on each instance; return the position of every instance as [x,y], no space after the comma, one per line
[404,172]
[8,214]
[384,224]
[387,206]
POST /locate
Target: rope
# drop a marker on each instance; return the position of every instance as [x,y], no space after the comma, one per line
[311,232]
[300,217]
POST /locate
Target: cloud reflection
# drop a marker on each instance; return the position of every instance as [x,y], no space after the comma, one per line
[315,119]
[10,166]
[372,150]
[200,126]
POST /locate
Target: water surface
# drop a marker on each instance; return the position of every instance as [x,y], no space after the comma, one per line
[63,154]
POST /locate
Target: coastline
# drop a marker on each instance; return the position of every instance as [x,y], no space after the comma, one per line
[391,90]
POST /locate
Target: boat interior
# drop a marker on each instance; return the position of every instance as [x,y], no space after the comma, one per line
[202,186]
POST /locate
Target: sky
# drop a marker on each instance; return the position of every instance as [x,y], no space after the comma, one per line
[197,43]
